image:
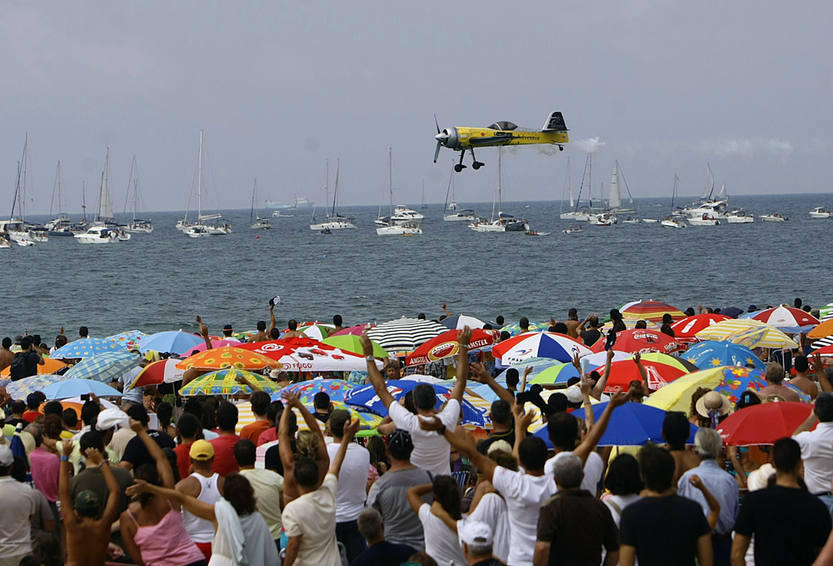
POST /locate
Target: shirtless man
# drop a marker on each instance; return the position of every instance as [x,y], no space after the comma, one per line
[293,330]
[775,387]
[801,379]
[262,332]
[87,530]
[6,354]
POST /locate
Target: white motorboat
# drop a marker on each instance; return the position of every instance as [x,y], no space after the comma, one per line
[98,233]
[402,221]
[279,214]
[460,215]
[673,222]
[573,230]
[821,212]
[773,217]
[630,220]
[402,213]
[603,219]
[38,235]
[483,225]
[139,226]
[206,224]
[399,230]
[333,220]
[504,222]
[705,219]
[650,220]
[739,216]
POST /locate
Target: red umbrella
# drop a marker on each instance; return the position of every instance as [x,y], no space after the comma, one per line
[824,352]
[650,311]
[445,345]
[763,424]
[162,371]
[685,329]
[642,340]
[625,371]
[788,319]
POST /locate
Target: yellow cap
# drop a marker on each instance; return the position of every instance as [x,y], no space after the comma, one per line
[201,450]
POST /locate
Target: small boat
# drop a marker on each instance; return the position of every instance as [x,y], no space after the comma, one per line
[402,221]
[650,220]
[704,219]
[279,214]
[38,234]
[136,225]
[603,219]
[206,224]
[97,234]
[673,222]
[739,216]
[774,217]
[821,212]
[399,230]
[296,204]
[326,231]
[256,222]
[5,242]
[536,233]
[573,230]
[333,220]
[504,222]
[630,220]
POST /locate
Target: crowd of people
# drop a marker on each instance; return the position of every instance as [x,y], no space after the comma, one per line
[165,480]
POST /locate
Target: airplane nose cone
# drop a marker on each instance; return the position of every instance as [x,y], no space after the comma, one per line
[442,137]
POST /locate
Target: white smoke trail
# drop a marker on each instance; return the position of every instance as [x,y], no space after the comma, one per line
[590,145]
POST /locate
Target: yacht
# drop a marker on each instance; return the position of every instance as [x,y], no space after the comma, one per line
[739,216]
[820,212]
[98,233]
[333,220]
[705,219]
[402,213]
[602,219]
[452,212]
[402,221]
[579,212]
[256,222]
[673,222]
[15,229]
[206,224]
[773,217]
[60,224]
[504,222]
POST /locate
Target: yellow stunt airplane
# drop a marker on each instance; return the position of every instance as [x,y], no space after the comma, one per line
[500,133]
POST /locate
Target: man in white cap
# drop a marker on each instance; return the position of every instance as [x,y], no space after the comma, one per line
[18,508]
[476,540]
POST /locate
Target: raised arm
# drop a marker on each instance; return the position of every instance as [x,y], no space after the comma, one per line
[204,333]
[64,495]
[463,339]
[595,434]
[445,310]
[416,493]
[272,322]
[714,506]
[162,465]
[376,378]
[586,387]
[242,379]
[464,443]
[350,429]
[527,371]
[111,508]
[480,374]
[293,401]
[637,358]
[285,446]
[522,422]
[191,504]
[599,388]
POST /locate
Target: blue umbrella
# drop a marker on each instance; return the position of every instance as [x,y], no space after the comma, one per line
[632,424]
[75,387]
[171,341]
[86,347]
[104,367]
[716,353]
[365,396]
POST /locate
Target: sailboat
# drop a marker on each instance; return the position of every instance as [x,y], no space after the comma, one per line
[504,222]
[392,225]
[256,222]
[207,224]
[675,219]
[104,229]
[423,206]
[451,212]
[333,220]
[14,228]
[568,190]
[136,225]
[583,213]
[707,210]
[614,202]
[60,224]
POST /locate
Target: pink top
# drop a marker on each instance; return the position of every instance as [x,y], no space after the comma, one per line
[46,468]
[166,543]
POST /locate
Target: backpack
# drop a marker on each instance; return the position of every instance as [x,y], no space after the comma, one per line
[18,367]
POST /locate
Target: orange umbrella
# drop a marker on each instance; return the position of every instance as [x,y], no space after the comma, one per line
[822,330]
[228,357]
[49,367]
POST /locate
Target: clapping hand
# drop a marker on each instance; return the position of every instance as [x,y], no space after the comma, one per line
[292,398]
[351,427]
[93,456]
[432,424]
[464,337]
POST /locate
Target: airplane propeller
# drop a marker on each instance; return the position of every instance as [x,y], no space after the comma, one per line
[439,143]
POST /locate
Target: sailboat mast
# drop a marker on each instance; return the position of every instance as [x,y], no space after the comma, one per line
[16,191]
[252,213]
[500,179]
[84,200]
[390,178]
[448,191]
[335,189]
[135,168]
[199,180]
[56,190]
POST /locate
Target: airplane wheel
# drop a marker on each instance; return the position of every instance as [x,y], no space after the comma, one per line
[458,167]
[560,148]
[476,165]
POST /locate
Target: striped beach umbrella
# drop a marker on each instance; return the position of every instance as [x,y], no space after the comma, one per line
[747,331]
[788,319]
[650,311]
[460,321]
[21,388]
[557,373]
[405,334]
[104,367]
[227,382]
[161,371]
[87,347]
[538,344]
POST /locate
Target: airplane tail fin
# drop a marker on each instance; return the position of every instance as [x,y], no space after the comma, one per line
[555,123]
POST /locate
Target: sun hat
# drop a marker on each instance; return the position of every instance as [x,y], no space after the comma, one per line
[713,401]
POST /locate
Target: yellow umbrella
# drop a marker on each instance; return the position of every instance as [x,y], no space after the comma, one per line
[730,381]
[228,357]
[747,332]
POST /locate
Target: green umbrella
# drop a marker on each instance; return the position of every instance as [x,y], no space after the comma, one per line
[352,343]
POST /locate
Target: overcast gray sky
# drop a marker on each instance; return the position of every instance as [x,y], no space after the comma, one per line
[279,86]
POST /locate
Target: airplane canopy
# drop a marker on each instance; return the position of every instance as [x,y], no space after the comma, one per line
[503,125]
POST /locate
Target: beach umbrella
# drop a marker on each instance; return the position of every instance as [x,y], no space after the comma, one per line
[305,354]
[355,330]
[642,340]
[171,341]
[351,343]
[600,358]
[225,382]
[685,329]
[823,330]
[788,319]
[21,388]
[660,373]
[538,344]
[228,357]
[649,311]
[766,337]
[129,339]
[824,352]
[826,312]
[763,424]
[74,387]
[557,373]
[515,329]
[632,424]
[86,347]
[822,342]
[460,321]
[445,345]
[716,353]
[405,334]
[729,381]
[365,397]
[337,389]
[49,367]
[104,367]
[215,344]
[731,312]
[162,371]
[315,330]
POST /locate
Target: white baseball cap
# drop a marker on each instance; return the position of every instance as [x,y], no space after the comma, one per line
[474,532]
[6,456]
[573,394]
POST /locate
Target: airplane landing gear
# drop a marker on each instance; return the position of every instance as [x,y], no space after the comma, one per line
[459,167]
[560,148]
[474,162]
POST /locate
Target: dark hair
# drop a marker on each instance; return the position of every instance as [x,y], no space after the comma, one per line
[60,340]
[667,318]
[193,406]
[261,325]
[188,426]
[800,363]
[504,335]
[559,327]
[274,334]
[83,332]
[337,320]
[209,413]
[150,474]
[512,378]
[499,319]
[501,412]
[7,342]
[337,420]
[824,407]
[17,406]
[562,430]
[53,408]
[164,412]
[572,314]
[238,491]
[422,559]
[89,412]
[92,439]
[676,429]
[376,448]
[524,322]
[641,324]
[786,455]
[447,493]
[274,410]
[689,311]
[532,453]
[244,452]
[292,324]
[400,449]
[657,466]
[557,403]
[70,418]
[623,476]
[573,381]
[424,397]
[226,416]
[138,413]
[306,472]
[321,401]
[747,398]
[26,343]
[52,426]
[408,402]
[260,401]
